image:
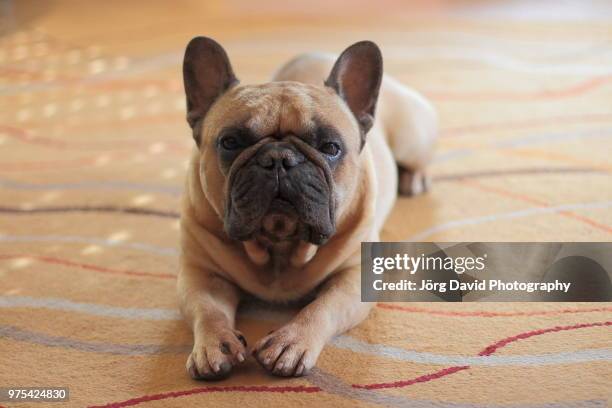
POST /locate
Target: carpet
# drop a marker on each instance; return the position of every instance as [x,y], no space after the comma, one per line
[94,147]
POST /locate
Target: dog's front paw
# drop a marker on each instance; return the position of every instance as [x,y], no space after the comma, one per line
[288,351]
[215,354]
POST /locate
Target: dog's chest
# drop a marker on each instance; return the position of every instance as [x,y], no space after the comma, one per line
[279,280]
[279,265]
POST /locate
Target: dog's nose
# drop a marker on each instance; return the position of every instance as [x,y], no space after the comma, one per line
[279,155]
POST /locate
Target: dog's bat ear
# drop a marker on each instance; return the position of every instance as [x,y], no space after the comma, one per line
[356,77]
[207,74]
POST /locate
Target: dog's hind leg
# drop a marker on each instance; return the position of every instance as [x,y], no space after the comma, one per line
[411,127]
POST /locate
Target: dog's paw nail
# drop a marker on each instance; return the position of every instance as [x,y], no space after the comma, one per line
[300,370]
[240,357]
[216,367]
[225,347]
[242,339]
[193,372]
[267,344]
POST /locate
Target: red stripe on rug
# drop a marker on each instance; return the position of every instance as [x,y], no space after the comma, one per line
[404,383]
[95,268]
[24,136]
[531,200]
[200,390]
[502,343]
[486,352]
[27,136]
[56,165]
[413,309]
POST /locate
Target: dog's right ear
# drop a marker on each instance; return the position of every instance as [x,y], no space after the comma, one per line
[207,74]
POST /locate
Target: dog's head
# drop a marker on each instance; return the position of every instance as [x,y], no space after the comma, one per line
[279,161]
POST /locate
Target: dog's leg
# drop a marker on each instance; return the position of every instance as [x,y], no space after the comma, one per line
[293,349]
[412,182]
[411,125]
[208,303]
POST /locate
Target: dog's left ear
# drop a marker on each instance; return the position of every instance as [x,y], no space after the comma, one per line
[356,77]
[207,74]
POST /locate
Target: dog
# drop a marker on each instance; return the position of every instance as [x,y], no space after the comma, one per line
[285,181]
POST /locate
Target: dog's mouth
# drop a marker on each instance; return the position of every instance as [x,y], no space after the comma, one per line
[281,223]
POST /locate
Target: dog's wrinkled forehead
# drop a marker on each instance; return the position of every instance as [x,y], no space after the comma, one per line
[277,109]
[282,108]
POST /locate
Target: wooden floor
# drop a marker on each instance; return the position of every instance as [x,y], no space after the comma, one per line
[93,149]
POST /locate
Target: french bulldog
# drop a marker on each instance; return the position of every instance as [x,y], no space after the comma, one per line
[285,181]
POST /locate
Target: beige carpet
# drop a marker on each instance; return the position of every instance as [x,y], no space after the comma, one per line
[93,149]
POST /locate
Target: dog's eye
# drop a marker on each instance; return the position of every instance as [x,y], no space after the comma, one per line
[229,143]
[331,149]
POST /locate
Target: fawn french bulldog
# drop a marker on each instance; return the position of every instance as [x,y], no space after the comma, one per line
[286,179]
